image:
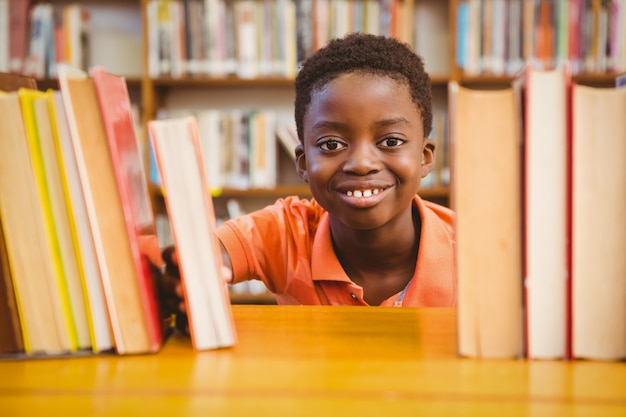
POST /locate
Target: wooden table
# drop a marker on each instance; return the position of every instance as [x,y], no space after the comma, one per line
[315,361]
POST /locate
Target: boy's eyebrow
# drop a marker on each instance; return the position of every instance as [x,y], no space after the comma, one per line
[378,123]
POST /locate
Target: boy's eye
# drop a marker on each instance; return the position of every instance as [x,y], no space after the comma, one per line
[391,142]
[331,145]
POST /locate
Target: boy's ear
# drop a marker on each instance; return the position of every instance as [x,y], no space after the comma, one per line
[301,163]
[428,157]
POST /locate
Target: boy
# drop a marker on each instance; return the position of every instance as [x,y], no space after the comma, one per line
[363,113]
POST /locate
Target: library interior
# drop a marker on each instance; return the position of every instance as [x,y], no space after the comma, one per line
[131,125]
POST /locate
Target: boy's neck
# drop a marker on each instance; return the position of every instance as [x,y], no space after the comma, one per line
[382,261]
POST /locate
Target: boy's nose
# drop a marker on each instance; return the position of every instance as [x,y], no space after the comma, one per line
[362,159]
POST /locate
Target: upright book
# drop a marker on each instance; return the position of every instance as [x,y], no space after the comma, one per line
[176,143]
[598,223]
[43,328]
[486,149]
[118,266]
[546,212]
[46,166]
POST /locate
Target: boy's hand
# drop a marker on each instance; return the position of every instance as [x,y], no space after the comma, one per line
[171,294]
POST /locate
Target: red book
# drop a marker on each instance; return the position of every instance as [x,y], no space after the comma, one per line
[116,109]
[18,34]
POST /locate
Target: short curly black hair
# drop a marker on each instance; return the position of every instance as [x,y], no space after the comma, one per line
[366,53]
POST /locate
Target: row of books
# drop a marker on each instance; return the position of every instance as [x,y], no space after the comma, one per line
[35,36]
[240,146]
[498,36]
[78,231]
[250,38]
[540,195]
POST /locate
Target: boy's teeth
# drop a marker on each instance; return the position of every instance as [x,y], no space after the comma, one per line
[362,193]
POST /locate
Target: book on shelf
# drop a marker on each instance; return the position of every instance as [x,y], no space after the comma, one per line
[546,211]
[18,21]
[287,136]
[598,268]
[432,40]
[129,317]
[40,47]
[486,155]
[190,209]
[43,322]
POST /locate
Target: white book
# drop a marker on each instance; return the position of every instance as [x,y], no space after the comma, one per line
[246,27]
[192,218]
[545,215]
[4,35]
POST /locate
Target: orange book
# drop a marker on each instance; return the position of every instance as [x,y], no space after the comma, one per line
[488,209]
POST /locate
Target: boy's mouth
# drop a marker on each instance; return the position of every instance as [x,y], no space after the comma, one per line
[363,193]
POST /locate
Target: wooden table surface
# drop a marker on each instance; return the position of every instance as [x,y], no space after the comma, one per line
[315,361]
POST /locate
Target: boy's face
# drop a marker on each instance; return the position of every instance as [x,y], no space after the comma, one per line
[364,151]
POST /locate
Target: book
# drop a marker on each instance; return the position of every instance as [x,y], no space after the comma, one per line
[26,236]
[46,163]
[598,267]
[4,35]
[89,272]
[18,34]
[486,155]
[42,163]
[116,109]
[41,33]
[546,212]
[10,331]
[105,210]
[176,143]
[288,136]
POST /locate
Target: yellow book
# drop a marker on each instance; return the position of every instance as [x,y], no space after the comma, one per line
[25,233]
[55,220]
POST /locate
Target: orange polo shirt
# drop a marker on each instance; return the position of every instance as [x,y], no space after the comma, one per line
[288,246]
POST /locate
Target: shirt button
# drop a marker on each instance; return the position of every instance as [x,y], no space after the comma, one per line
[354,297]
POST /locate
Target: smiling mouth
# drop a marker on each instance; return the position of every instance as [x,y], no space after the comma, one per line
[363,193]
